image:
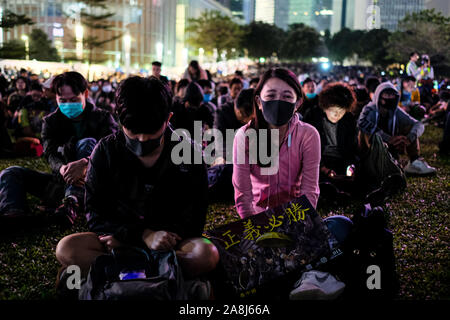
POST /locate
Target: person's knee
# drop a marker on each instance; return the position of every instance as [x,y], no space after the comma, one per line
[339,226]
[86,143]
[72,249]
[197,256]
[14,171]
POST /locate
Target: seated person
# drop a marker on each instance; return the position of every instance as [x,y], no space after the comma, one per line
[296,173]
[437,113]
[180,89]
[135,194]
[69,135]
[371,85]
[233,116]
[207,94]
[236,86]
[311,98]
[336,125]
[410,98]
[190,109]
[28,121]
[21,87]
[399,130]
[253,83]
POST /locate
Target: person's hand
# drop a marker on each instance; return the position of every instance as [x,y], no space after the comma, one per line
[399,142]
[328,172]
[109,242]
[74,172]
[218,161]
[160,240]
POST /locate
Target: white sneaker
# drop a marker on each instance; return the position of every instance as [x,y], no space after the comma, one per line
[317,285]
[419,167]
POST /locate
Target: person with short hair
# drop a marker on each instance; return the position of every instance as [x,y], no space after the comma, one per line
[207,88]
[311,97]
[233,116]
[136,195]
[236,86]
[191,109]
[371,85]
[156,71]
[411,68]
[69,134]
[253,83]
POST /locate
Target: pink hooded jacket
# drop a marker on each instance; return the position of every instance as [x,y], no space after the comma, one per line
[298,172]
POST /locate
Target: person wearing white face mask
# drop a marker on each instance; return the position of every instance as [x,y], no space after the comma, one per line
[69,135]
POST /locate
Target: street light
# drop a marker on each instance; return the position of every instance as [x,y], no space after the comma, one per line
[27,46]
[127,49]
[79,41]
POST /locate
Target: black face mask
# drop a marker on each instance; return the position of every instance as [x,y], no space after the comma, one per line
[277,112]
[142,148]
[389,104]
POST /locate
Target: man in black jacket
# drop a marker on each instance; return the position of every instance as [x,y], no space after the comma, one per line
[135,194]
[69,135]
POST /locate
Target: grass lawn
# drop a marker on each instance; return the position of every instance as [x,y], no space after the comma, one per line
[419,219]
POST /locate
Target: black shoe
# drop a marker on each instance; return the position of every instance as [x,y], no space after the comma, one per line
[67,212]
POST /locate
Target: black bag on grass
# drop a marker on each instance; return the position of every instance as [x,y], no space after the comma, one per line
[132,273]
[378,164]
[369,246]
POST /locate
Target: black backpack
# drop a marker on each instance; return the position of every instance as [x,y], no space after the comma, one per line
[369,244]
[133,273]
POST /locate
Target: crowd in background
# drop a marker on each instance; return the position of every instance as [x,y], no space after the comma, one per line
[109,143]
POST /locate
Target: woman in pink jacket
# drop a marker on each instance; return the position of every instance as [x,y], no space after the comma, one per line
[277,97]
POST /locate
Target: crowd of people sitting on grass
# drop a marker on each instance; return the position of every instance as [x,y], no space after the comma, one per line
[109,147]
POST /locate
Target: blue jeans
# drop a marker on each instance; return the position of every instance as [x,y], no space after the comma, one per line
[16,182]
[339,226]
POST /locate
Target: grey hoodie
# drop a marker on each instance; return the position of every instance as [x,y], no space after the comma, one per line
[397,118]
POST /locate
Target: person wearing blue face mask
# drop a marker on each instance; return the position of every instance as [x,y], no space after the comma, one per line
[69,134]
[136,195]
[311,98]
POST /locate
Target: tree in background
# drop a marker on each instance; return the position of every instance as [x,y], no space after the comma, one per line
[374,47]
[428,32]
[301,43]
[262,39]
[14,49]
[342,45]
[10,20]
[213,30]
[94,18]
[41,47]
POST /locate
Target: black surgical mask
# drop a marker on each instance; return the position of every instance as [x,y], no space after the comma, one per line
[142,148]
[277,112]
[389,104]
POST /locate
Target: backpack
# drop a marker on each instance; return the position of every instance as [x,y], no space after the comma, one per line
[130,273]
[369,246]
[378,164]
